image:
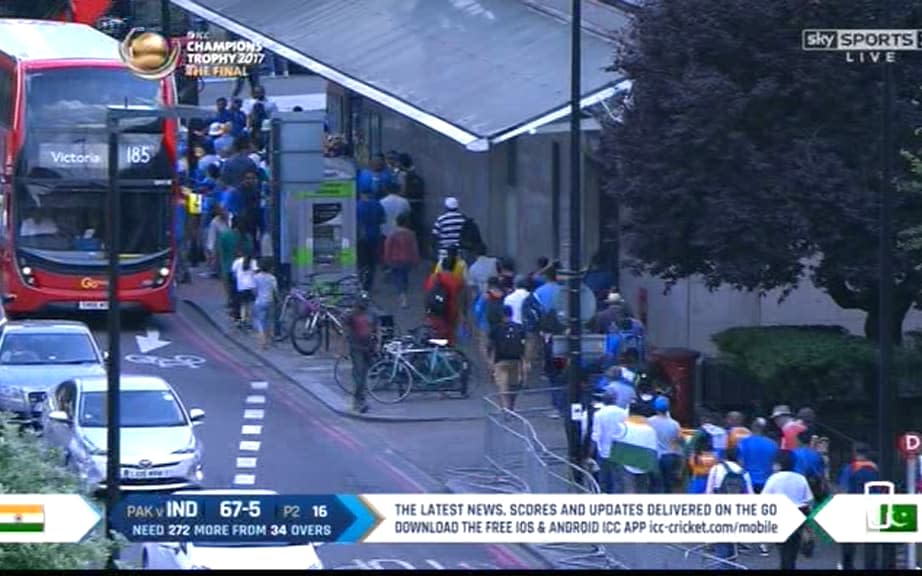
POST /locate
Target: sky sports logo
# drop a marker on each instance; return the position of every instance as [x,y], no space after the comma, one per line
[863,46]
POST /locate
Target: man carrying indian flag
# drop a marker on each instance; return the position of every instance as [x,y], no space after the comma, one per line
[22,518]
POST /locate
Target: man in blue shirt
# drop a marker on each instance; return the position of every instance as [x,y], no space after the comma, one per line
[222,114]
[549,291]
[369,218]
[375,179]
[852,479]
[756,453]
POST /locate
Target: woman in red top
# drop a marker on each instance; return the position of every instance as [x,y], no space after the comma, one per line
[401,253]
[445,324]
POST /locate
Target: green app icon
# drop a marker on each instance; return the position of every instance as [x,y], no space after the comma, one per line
[896,518]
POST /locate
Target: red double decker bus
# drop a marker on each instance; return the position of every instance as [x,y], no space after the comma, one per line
[57,81]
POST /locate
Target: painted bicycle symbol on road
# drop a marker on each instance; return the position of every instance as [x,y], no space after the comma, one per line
[177,361]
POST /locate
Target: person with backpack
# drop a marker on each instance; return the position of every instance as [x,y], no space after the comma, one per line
[507,347]
[793,485]
[809,463]
[727,477]
[446,232]
[853,478]
[442,289]
[361,327]
[488,313]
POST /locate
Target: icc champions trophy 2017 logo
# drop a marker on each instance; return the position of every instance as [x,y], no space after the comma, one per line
[149,54]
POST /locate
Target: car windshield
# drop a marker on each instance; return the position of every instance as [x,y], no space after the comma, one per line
[139,409]
[44,348]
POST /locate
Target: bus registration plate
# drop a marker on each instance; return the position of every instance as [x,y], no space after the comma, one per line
[94,305]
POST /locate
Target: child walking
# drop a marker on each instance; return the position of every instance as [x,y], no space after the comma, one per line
[244,269]
[267,289]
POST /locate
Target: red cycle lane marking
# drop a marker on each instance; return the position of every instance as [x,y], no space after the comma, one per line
[499,552]
[224,358]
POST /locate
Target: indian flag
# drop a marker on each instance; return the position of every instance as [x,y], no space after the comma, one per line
[635,447]
[22,518]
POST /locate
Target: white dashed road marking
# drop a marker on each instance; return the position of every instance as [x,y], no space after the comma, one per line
[246,465]
[245,479]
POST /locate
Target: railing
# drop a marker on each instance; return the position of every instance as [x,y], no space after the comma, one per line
[518,461]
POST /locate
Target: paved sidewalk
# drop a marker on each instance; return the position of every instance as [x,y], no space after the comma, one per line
[315,373]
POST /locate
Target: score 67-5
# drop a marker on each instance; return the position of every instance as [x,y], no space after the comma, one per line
[237,508]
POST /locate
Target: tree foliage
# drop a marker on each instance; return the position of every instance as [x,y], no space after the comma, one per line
[27,466]
[34,9]
[748,161]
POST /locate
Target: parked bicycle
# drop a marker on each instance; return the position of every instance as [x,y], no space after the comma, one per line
[299,302]
[407,367]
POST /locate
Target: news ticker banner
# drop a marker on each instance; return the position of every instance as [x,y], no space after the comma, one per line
[46,518]
[466,518]
[457,518]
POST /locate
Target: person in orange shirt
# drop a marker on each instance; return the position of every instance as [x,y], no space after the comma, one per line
[735,429]
[789,426]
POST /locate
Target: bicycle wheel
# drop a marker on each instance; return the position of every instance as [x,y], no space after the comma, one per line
[284,321]
[306,334]
[389,381]
[460,368]
[342,374]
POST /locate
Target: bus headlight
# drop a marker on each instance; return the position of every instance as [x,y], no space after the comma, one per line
[164,272]
[26,271]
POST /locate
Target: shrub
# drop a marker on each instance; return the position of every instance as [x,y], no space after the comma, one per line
[28,466]
[800,364]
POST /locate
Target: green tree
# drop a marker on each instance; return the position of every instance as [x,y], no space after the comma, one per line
[37,9]
[27,466]
[748,161]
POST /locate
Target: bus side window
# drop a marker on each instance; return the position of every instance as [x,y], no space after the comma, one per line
[6,97]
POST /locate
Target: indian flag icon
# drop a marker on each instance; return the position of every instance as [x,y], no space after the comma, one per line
[22,518]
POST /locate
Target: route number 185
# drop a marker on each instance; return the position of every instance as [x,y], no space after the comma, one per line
[138,154]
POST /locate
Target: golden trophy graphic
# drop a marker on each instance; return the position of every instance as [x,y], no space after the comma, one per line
[148,54]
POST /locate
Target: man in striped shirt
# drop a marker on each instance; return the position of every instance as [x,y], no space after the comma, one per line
[447,229]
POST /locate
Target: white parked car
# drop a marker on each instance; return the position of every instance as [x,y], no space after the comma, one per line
[229,556]
[160,449]
[36,355]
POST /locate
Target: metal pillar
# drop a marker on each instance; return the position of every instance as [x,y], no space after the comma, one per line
[113,419]
[574,279]
[886,394]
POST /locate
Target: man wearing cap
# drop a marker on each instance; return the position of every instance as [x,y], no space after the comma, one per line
[669,444]
[446,232]
[789,427]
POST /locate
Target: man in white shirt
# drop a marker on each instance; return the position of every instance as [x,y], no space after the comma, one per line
[259,95]
[517,298]
[797,489]
[728,477]
[608,424]
[394,205]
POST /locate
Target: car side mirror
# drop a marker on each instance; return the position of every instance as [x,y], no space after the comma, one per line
[59,416]
[196,415]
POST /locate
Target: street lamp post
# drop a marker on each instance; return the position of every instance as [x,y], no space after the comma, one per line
[574,280]
[113,240]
